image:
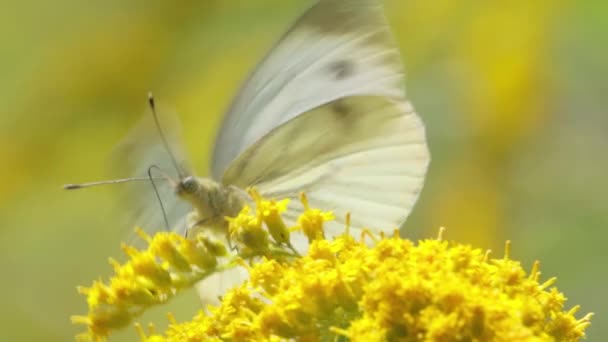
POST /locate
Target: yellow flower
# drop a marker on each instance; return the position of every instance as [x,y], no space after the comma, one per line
[150,277]
[394,290]
[248,233]
[269,211]
[311,221]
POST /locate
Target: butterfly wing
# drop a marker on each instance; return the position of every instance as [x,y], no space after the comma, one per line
[361,154]
[338,48]
[133,156]
[325,113]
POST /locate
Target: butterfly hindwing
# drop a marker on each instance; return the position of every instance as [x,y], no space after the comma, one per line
[134,155]
[365,154]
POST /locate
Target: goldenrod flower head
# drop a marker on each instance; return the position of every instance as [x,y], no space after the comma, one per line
[395,290]
[150,277]
[341,289]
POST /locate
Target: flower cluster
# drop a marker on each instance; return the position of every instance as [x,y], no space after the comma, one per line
[150,277]
[252,233]
[340,289]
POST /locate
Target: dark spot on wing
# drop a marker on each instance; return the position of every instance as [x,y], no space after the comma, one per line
[342,69]
[341,109]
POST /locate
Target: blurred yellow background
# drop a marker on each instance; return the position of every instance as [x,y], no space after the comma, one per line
[512,94]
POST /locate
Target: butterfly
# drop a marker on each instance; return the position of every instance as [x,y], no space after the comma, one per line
[323,113]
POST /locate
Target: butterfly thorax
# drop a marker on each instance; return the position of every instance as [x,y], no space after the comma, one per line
[212,202]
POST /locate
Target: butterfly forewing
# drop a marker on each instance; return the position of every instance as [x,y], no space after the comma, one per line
[336,49]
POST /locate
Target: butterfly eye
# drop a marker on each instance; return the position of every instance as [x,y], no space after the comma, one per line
[188,185]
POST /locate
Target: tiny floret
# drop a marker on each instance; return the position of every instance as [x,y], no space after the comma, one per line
[269,211]
[311,221]
[247,231]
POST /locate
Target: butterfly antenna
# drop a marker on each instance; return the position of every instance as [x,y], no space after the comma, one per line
[152,105]
[160,201]
[106,182]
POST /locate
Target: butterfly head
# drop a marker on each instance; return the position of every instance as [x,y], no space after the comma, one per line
[188,186]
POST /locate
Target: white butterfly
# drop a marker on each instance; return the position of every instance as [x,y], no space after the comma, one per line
[325,113]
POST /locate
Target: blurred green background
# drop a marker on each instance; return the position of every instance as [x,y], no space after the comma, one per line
[512,93]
